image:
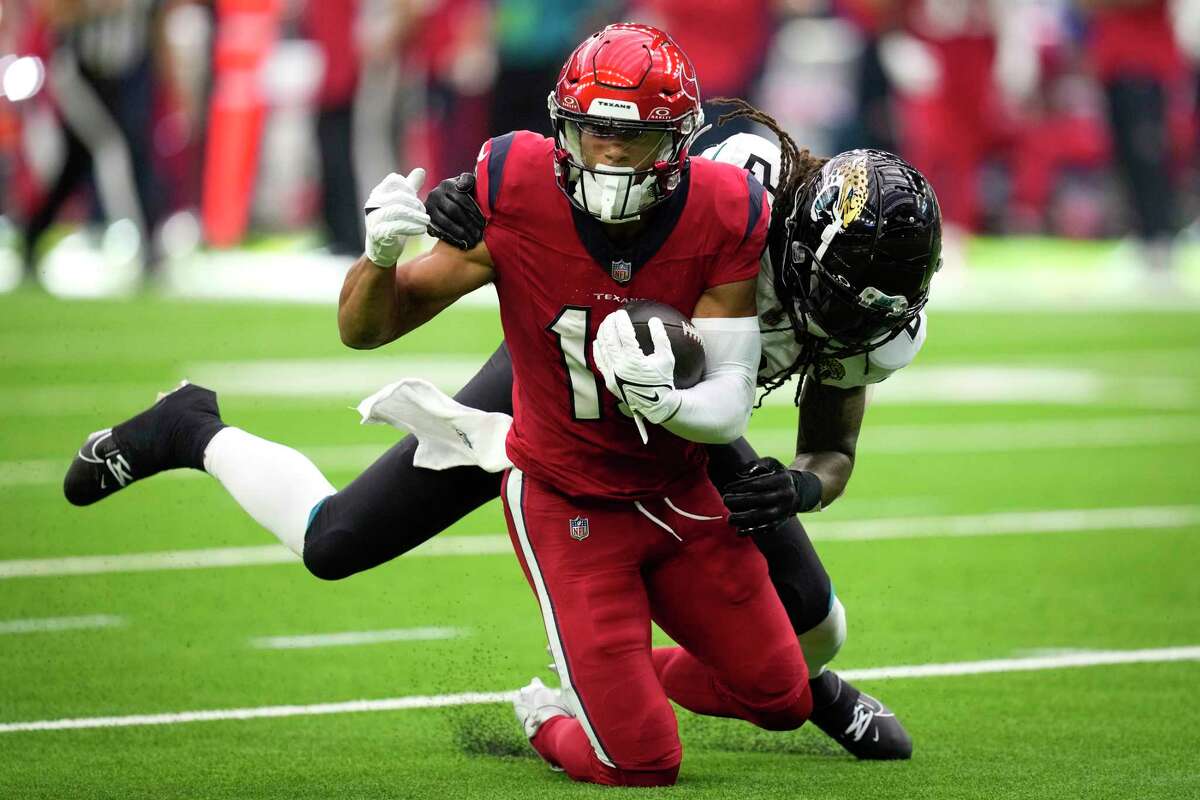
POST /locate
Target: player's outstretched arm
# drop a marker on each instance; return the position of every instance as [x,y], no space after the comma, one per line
[380,302]
[379,305]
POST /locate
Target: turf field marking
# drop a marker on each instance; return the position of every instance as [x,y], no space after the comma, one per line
[1017,436]
[224,557]
[1093,658]
[262,712]
[49,624]
[1008,523]
[964,525]
[1067,661]
[1128,431]
[348,638]
[341,380]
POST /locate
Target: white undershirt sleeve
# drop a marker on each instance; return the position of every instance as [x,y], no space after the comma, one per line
[717,409]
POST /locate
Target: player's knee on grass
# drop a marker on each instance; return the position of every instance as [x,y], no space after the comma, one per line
[823,641]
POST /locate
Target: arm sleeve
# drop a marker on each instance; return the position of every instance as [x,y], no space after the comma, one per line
[717,409]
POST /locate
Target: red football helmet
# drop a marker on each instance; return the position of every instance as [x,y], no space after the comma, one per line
[633,83]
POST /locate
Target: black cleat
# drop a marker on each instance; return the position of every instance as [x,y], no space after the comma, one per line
[170,434]
[857,721]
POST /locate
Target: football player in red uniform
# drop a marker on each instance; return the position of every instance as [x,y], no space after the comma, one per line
[853,244]
[612,529]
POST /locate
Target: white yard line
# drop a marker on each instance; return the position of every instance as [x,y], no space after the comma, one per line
[963,525]
[51,624]
[341,380]
[1095,658]
[1074,660]
[995,437]
[261,712]
[1130,431]
[1007,523]
[348,638]
[224,557]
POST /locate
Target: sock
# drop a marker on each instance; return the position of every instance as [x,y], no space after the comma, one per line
[276,485]
[822,642]
[826,689]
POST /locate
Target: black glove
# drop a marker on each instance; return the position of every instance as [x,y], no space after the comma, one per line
[454,216]
[766,493]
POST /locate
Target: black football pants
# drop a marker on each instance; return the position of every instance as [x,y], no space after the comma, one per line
[393,506]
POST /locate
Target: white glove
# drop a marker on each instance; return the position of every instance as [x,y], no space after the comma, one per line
[644,383]
[394,213]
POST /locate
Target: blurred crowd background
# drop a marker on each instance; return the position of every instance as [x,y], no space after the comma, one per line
[160,126]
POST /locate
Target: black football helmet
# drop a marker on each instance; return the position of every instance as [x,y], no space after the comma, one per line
[861,247]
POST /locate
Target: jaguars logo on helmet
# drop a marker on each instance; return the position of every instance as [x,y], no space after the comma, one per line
[865,242]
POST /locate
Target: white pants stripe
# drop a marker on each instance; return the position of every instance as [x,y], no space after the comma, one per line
[515,496]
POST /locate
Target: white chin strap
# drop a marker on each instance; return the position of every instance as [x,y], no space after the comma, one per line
[611,192]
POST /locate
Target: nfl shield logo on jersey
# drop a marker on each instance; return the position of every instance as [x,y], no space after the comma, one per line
[622,271]
[579,528]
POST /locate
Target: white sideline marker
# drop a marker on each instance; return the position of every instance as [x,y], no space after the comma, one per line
[1003,523]
[1092,659]
[348,638]
[51,624]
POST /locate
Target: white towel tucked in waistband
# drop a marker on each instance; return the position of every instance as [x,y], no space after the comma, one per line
[448,433]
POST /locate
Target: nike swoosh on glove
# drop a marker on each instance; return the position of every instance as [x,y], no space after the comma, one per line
[394,213]
[644,383]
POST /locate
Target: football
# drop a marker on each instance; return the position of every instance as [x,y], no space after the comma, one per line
[686,343]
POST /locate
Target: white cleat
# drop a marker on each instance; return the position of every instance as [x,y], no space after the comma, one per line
[536,704]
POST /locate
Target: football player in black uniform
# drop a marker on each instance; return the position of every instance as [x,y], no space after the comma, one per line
[853,244]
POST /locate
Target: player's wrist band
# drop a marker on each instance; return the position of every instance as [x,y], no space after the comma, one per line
[808,491]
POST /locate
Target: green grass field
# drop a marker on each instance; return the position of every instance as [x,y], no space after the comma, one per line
[934,550]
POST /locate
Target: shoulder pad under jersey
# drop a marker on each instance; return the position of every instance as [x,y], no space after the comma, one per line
[877,365]
[752,153]
[780,350]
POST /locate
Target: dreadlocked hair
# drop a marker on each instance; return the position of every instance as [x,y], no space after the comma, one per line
[796,168]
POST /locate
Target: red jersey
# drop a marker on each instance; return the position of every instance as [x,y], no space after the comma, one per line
[1135,42]
[558,276]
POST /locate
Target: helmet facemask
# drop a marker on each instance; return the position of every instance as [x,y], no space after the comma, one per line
[857,320]
[616,194]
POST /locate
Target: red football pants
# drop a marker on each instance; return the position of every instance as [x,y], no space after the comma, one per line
[687,570]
